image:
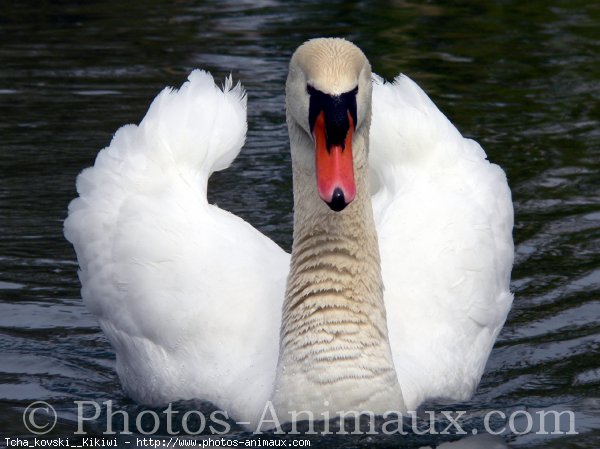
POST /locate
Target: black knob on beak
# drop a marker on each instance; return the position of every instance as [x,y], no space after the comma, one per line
[338,202]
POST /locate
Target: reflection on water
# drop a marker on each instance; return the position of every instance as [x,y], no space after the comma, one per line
[521,78]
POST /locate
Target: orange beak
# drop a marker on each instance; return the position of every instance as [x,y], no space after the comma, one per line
[334,166]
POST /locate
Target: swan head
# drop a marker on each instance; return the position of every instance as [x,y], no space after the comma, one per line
[328,97]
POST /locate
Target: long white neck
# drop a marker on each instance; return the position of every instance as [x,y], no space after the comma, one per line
[334,350]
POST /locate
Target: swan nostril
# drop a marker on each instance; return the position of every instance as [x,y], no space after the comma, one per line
[338,202]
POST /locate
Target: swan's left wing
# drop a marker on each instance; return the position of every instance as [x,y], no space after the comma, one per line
[444,218]
[188,294]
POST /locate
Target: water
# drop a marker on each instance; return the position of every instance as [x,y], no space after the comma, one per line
[520,77]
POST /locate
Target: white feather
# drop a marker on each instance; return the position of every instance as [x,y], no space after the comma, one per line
[444,220]
[190,295]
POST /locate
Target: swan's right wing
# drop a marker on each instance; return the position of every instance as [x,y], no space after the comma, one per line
[188,294]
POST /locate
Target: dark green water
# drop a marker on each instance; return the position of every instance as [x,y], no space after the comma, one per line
[522,78]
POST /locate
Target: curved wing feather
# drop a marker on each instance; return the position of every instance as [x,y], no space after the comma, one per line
[444,218]
[188,294]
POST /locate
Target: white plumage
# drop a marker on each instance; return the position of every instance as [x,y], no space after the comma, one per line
[444,220]
[190,295]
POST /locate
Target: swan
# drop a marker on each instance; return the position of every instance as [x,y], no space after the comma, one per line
[398,281]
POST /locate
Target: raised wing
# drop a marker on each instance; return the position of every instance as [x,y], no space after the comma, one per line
[444,218]
[188,294]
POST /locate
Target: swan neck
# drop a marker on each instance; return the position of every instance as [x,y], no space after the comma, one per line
[334,331]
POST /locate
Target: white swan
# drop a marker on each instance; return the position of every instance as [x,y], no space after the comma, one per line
[191,296]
